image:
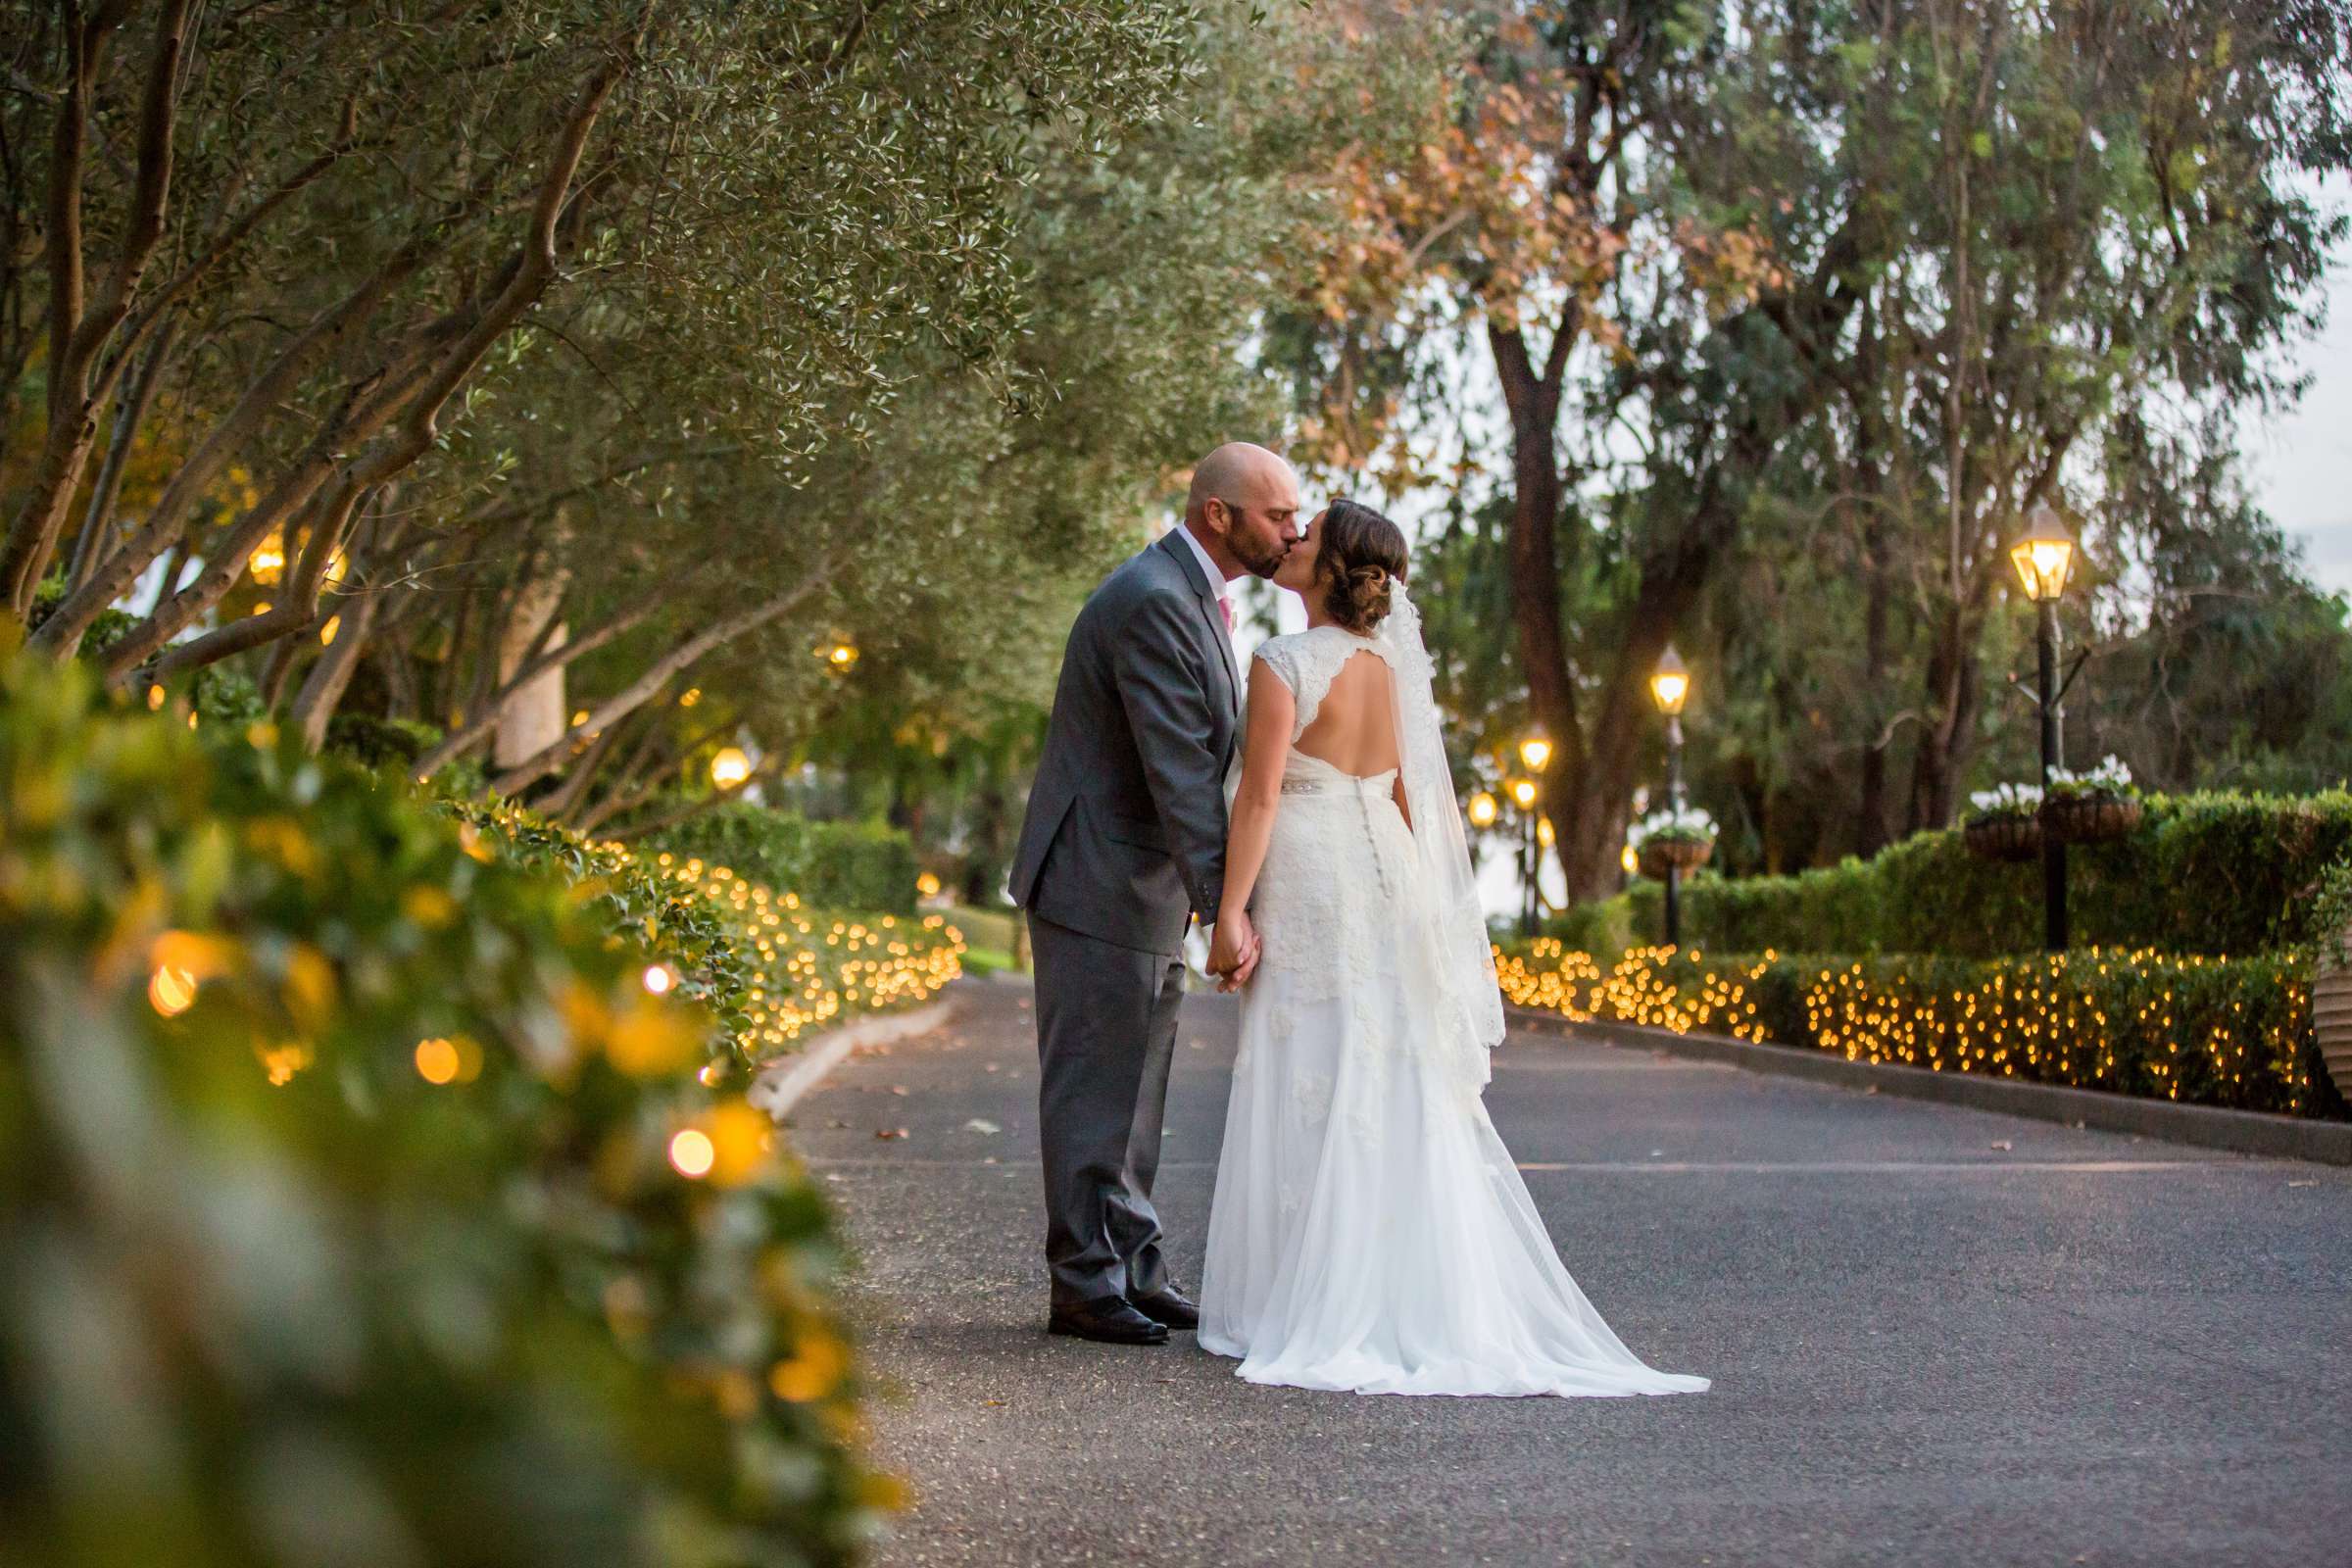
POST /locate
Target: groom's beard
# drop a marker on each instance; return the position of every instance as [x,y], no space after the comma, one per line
[1262,559]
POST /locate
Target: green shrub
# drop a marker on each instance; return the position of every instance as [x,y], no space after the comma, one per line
[2207,874]
[344,1196]
[858,865]
[2216,1032]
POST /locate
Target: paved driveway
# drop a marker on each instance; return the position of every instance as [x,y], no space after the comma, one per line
[1938,1337]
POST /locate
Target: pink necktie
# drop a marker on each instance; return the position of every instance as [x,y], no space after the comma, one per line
[1226,605]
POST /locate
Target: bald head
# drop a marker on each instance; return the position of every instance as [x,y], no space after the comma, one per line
[1235,474]
[1244,508]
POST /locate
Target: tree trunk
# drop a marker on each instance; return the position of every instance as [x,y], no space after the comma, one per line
[531,713]
[322,692]
[611,710]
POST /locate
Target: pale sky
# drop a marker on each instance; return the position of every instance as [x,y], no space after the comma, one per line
[2300,466]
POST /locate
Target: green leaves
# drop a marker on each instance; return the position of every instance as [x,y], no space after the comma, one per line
[339,1170]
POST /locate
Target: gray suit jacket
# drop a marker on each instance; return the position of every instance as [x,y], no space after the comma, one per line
[1125,833]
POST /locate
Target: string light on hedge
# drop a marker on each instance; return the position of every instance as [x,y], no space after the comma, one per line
[170,990]
[437,1061]
[2045,1017]
[659,978]
[692,1154]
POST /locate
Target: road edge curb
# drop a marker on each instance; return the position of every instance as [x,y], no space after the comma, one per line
[2240,1131]
[780,1084]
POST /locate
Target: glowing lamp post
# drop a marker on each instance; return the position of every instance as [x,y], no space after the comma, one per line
[2045,558]
[730,768]
[1534,752]
[1524,794]
[1481,809]
[1670,689]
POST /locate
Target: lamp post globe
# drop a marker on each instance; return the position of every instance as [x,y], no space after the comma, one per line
[2043,556]
[1670,683]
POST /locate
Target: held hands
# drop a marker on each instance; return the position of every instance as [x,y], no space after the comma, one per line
[1233,950]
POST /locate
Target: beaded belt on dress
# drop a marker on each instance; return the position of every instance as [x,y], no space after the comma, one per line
[1371,789]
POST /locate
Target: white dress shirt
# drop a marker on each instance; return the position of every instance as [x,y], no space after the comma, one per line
[1216,576]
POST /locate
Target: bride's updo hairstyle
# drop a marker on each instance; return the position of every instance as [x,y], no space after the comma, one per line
[1359,553]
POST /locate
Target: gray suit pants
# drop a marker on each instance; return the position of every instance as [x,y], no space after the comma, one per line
[1105,1035]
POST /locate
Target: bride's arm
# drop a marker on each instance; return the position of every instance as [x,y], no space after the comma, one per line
[1265,749]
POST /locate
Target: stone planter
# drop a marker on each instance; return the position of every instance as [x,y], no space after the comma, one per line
[2332,1018]
[2090,818]
[1686,856]
[2003,838]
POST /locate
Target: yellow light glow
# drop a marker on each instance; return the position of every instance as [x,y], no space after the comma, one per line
[268,563]
[579,717]
[730,768]
[1534,752]
[1482,810]
[692,1154]
[692,696]
[172,990]
[155,698]
[659,978]
[437,1060]
[927,885]
[261,609]
[1522,791]
[1543,833]
[2044,556]
[1629,859]
[327,634]
[1670,682]
[843,657]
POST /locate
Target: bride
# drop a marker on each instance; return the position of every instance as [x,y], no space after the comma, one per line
[1369,1230]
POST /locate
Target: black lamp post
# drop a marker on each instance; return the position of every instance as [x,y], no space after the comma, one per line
[1534,752]
[1670,689]
[2043,557]
[1524,794]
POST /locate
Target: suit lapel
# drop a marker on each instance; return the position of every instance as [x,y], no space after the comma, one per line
[1206,591]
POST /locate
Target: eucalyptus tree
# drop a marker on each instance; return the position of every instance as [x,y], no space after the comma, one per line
[1869,280]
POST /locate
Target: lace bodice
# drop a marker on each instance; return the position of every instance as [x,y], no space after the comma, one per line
[1308,662]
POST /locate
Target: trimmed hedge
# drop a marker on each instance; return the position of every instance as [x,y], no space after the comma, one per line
[2211,874]
[355,1178]
[858,865]
[2234,1033]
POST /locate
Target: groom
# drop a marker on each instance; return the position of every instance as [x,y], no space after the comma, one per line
[1124,841]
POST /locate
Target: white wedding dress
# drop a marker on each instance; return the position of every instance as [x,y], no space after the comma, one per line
[1369,1231]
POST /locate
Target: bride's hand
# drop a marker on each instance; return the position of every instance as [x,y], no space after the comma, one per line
[1233,950]
[1249,966]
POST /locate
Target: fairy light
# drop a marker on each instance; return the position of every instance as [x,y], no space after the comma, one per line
[2098,1019]
[437,1060]
[170,990]
[692,1154]
[659,978]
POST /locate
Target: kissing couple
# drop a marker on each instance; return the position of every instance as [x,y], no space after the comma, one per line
[1369,1230]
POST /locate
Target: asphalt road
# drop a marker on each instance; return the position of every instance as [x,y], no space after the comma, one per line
[1938,1337]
